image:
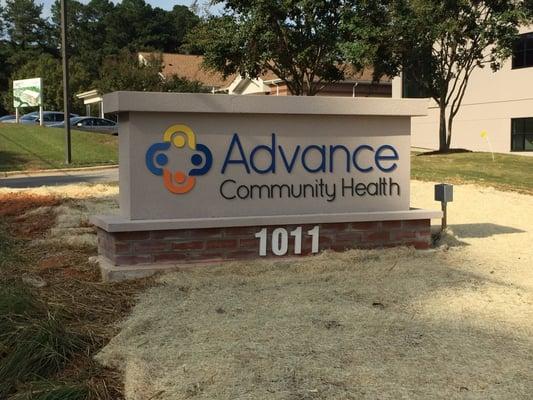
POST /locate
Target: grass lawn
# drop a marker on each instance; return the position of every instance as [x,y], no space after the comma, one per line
[27,147]
[507,172]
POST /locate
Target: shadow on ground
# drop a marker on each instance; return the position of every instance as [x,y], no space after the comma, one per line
[482,230]
[11,161]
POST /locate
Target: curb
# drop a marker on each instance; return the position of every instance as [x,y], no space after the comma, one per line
[59,170]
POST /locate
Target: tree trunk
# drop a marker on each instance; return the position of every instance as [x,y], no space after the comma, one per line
[443,142]
[449,135]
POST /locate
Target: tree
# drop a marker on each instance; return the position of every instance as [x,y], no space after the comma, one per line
[438,45]
[124,72]
[298,40]
[23,24]
[49,68]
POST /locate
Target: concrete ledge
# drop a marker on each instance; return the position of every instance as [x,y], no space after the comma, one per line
[238,104]
[113,273]
[113,223]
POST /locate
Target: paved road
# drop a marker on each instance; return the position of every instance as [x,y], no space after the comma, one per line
[59,178]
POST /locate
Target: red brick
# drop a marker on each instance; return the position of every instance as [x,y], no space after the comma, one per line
[376,237]
[420,244]
[207,233]
[249,231]
[168,257]
[121,248]
[131,235]
[221,244]
[365,226]
[391,224]
[400,235]
[171,234]
[426,235]
[248,243]
[132,260]
[152,246]
[416,223]
[196,245]
[337,227]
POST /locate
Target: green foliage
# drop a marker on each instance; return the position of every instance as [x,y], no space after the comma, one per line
[98,32]
[9,254]
[34,344]
[124,72]
[23,23]
[436,44]
[15,301]
[40,349]
[298,40]
[53,391]
[182,85]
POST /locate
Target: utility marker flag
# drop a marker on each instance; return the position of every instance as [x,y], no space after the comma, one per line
[485,135]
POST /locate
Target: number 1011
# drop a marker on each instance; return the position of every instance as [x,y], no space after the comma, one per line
[280,240]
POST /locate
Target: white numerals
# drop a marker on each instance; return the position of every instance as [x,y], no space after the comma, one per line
[280,240]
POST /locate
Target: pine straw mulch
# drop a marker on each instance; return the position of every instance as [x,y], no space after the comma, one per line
[73,286]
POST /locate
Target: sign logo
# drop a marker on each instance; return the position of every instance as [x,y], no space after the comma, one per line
[178,182]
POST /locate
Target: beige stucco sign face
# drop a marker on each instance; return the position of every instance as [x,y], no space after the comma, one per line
[191,165]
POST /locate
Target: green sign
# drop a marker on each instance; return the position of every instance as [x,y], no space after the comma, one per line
[28,92]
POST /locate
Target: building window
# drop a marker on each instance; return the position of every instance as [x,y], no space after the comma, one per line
[522,134]
[523,51]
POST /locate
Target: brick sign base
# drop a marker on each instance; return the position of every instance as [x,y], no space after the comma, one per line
[142,253]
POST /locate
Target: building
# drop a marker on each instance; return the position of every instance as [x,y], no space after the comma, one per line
[94,103]
[356,84]
[499,103]
[188,67]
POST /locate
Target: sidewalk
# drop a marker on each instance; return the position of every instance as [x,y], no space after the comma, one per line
[56,177]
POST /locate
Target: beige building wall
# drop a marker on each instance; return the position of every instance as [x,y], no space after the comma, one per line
[492,99]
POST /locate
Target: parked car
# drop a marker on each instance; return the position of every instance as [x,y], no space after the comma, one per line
[92,124]
[49,117]
[8,118]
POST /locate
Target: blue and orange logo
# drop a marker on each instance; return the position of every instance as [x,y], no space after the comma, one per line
[179,182]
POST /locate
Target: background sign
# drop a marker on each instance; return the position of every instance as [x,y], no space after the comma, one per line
[28,92]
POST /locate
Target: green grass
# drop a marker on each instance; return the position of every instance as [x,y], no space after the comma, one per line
[41,348]
[27,147]
[9,249]
[507,172]
[50,391]
[35,343]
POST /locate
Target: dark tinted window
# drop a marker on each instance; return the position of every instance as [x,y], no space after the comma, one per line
[522,134]
[104,122]
[523,51]
[86,122]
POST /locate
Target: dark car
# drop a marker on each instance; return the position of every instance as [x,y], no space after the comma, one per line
[49,117]
[92,124]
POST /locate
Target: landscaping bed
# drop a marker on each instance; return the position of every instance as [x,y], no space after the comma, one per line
[55,313]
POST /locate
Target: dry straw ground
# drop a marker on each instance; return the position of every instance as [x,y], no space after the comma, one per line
[452,323]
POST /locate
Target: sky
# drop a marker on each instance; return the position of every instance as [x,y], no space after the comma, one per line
[166,4]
